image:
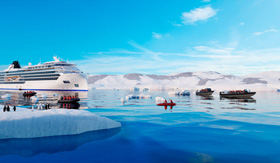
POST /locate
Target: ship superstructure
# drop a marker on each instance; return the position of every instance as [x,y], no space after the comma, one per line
[50,76]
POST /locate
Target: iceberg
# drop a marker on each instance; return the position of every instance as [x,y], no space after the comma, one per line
[28,123]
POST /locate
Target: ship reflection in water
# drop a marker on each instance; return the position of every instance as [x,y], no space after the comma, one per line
[16,98]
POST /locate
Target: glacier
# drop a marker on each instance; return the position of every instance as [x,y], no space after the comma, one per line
[27,123]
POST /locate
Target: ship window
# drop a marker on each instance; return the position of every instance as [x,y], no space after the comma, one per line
[76,85]
[66,81]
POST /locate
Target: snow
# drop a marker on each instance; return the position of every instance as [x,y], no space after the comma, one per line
[263,81]
[159,100]
[141,96]
[180,93]
[28,123]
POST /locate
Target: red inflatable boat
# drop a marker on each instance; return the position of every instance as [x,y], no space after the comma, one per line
[166,104]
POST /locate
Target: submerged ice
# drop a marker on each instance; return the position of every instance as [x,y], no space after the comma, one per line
[25,123]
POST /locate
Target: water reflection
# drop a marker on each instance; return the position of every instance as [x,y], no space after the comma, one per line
[17,98]
[205,97]
[238,100]
[33,146]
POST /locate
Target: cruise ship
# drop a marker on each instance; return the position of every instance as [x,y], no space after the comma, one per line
[50,76]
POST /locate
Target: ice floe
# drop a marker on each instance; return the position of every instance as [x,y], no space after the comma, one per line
[159,100]
[180,93]
[29,123]
[141,96]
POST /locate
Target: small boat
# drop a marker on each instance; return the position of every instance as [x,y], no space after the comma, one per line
[26,94]
[74,100]
[166,104]
[205,92]
[237,94]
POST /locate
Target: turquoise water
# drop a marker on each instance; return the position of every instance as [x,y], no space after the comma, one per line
[197,129]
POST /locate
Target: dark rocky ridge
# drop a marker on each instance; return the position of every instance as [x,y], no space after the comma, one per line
[253,81]
[94,78]
[137,77]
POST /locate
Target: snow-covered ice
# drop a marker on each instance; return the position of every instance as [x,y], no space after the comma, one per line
[141,96]
[264,81]
[159,100]
[25,123]
[180,93]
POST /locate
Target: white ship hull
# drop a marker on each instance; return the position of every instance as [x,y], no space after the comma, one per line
[78,82]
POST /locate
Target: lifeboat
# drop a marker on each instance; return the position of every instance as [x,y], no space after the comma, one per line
[28,94]
[72,100]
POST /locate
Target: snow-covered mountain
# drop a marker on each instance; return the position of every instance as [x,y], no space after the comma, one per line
[265,81]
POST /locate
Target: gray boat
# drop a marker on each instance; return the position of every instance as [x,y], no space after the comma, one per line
[204,92]
[237,94]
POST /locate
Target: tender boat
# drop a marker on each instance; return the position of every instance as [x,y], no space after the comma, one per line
[28,94]
[205,92]
[72,101]
[237,94]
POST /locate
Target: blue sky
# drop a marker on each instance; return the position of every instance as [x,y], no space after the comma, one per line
[151,37]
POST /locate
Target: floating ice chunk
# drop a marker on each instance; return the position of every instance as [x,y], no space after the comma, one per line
[180,93]
[25,123]
[135,89]
[123,101]
[141,96]
[185,93]
[34,99]
[159,100]
[174,93]
[6,97]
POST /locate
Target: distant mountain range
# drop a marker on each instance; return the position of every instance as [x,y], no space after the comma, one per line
[264,81]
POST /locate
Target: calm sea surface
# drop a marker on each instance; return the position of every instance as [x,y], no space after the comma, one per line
[197,129]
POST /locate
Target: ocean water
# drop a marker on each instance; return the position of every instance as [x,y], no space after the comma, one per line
[197,129]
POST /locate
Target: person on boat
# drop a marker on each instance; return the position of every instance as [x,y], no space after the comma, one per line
[171,101]
[4,109]
[165,101]
[15,108]
[8,108]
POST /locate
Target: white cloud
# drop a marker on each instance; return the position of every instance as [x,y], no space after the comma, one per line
[206,1]
[224,51]
[242,23]
[198,58]
[156,35]
[198,14]
[266,31]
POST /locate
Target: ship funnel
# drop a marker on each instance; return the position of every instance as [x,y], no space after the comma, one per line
[16,64]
